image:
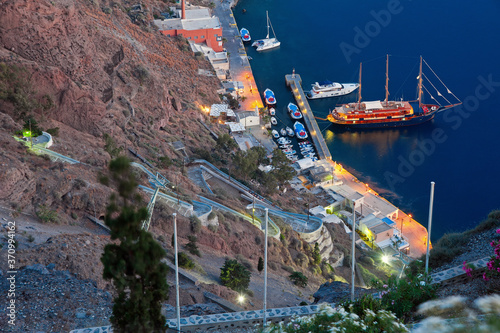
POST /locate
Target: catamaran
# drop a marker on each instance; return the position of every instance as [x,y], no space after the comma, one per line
[330,89]
[267,43]
[387,113]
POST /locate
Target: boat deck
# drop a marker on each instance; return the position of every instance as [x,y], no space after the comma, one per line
[295,83]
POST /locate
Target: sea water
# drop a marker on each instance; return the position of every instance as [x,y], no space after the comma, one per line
[458,150]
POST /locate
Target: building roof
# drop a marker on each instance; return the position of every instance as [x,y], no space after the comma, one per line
[318,210]
[385,208]
[371,221]
[347,192]
[188,24]
[235,127]
[245,114]
[332,218]
[217,109]
[380,228]
[305,163]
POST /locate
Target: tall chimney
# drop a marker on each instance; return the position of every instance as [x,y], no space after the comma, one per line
[183,6]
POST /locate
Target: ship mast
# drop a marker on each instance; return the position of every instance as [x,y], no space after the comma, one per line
[267,15]
[420,83]
[387,80]
[359,98]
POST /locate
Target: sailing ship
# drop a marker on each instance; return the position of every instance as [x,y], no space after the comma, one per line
[267,43]
[376,114]
[245,35]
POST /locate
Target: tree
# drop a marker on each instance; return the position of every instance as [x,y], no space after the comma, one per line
[235,276]
[192,247]
[133,264]
[260,264]
[316,254]
[298,279]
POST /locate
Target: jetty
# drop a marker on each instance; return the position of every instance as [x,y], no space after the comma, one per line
[295,83]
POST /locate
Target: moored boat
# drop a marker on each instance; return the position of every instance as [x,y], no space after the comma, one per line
[284,141]
[290,132]
[274,121]
[269,97]
[267,43]
[330,89]
[294,111]
[283,132]
[300,130]
[245,35]
[272,111]
[377,114]
[275,134]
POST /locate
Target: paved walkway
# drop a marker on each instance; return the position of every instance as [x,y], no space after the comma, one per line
[239,66]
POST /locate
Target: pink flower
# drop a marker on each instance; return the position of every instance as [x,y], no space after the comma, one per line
[498,231]
[385,286]
[485,278]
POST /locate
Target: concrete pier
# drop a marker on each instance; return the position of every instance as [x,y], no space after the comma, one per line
[295,83]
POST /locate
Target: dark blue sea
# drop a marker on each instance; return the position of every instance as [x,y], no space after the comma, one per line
[459,150]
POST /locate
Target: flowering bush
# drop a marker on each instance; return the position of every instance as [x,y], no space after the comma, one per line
[494,263]
[339,320]
[466,319]
[402,296]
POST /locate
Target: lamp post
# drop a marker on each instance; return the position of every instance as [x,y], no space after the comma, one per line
[265,270]
[431,203]
[177,302]
[353,249]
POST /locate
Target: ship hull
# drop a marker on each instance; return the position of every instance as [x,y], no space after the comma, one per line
[418,118]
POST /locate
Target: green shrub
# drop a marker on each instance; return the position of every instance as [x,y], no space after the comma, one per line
[74,216]
[185,261]
[45,214]
[298,279]
[192,247]
[404,295]
[363,303]
[195,224]
[53,131]
[368,276]
[235,276]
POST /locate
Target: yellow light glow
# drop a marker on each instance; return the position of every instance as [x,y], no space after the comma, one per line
[241,299]
[385,259]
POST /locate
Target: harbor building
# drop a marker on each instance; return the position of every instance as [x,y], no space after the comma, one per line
[196,24]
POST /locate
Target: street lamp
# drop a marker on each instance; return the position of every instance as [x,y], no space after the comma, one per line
[241,298]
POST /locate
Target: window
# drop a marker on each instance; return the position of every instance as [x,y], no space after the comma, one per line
[202,36]
[189,37]
[219,38]
[195,37]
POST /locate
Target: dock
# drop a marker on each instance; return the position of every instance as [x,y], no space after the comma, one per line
[295,83]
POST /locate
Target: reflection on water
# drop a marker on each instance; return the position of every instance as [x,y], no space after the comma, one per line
[382,140]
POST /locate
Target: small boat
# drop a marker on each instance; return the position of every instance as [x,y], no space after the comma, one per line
[290,132]
[294,111]
[292,158]
[267,43]
[331,89]
[275,134]
[283,132]
[272,111]
[274,121]
[269,97]
[304,143]
[286,146]
[300,130]
[245,35]
[290,152]
[284,141]
[305,150]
